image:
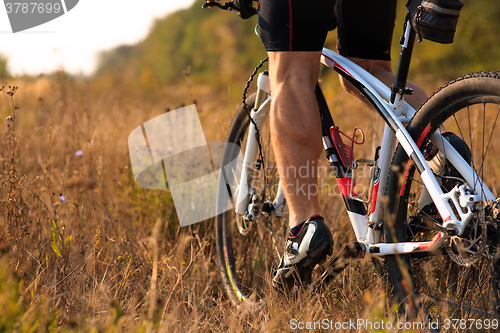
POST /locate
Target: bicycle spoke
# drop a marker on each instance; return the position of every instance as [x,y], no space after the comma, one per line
[489,140]
[466,275]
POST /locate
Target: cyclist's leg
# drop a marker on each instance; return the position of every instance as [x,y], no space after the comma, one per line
[296,126]
[295,123]
[293,32]
[382,70]
[365,37]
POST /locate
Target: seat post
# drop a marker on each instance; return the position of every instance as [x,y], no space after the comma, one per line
[407,41]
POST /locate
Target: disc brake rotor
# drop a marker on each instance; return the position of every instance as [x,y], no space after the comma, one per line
[468,248]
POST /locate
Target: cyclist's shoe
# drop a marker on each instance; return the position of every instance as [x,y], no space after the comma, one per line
[302,253]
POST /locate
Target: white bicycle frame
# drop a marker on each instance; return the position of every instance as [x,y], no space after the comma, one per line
[395,115]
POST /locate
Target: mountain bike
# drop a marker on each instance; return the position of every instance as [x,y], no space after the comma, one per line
[432,213]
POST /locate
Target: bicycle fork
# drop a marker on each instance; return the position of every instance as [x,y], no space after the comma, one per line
[247,200]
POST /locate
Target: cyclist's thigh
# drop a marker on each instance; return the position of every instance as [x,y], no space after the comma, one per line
[295,25]
[365,28]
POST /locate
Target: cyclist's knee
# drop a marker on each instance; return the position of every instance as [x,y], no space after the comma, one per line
[347,86]
[294,67]
[381,69]
[373,66]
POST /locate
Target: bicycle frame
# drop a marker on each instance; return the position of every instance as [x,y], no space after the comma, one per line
[390,105]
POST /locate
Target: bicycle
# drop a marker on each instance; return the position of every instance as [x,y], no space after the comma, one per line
[441,213]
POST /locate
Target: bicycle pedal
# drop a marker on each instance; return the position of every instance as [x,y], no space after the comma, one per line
[354,250]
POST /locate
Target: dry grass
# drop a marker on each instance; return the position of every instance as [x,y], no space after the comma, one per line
[85,249]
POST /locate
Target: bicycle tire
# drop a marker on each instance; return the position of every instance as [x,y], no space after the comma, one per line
[246,261]
[461,106]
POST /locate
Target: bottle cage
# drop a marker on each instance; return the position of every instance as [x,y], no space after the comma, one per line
[344,150]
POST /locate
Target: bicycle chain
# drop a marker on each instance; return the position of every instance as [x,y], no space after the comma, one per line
[257,136]
[495,212]
[245,91]
[246,107]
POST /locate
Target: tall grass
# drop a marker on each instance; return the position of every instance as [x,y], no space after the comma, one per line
[83,248]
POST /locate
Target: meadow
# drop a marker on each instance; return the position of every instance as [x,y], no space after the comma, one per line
[84,249]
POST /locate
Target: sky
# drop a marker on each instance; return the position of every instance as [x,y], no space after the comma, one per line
[72,41]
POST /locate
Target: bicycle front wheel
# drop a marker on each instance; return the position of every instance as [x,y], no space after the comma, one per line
[249,247]
[463,276]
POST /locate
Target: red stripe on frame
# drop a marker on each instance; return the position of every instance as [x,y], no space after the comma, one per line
[374,197]
[337,65]
[344,186]
[428,245]
[422,136]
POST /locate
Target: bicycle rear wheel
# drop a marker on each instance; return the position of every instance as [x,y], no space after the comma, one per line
[461,276]
[248,249]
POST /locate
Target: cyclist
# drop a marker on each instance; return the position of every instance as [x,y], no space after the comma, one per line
[293,32]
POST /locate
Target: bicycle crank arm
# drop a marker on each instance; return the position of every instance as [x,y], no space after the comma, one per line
[340,262]
[384,249]
[358,250]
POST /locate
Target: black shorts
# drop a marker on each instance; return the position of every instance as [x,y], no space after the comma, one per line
[364,27]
